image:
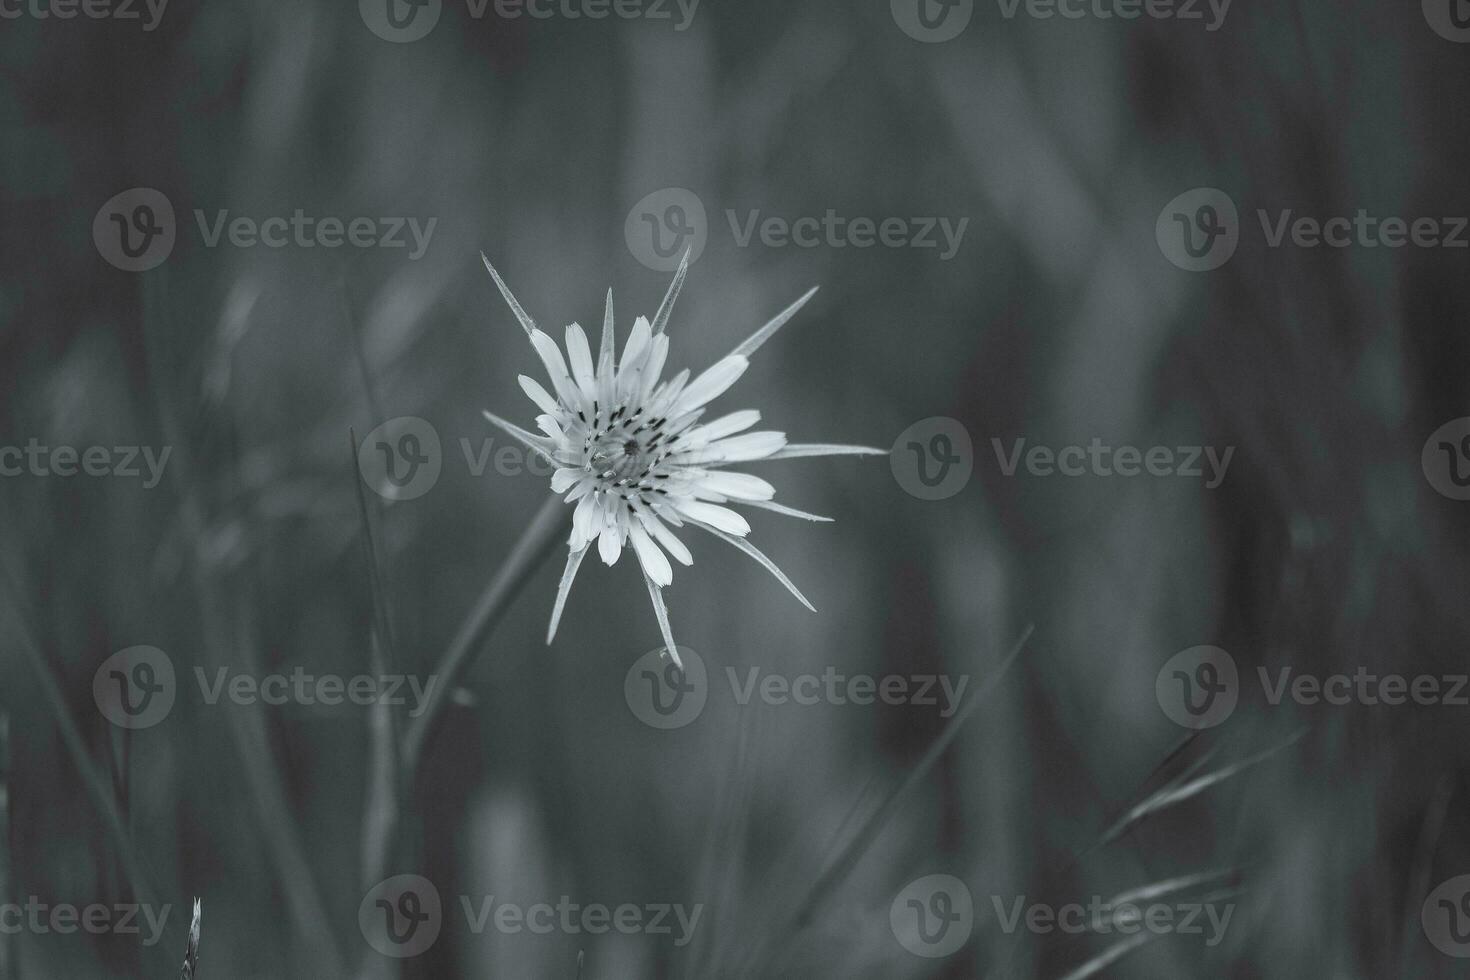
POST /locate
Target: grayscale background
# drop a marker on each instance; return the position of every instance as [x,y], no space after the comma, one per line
[1126,272]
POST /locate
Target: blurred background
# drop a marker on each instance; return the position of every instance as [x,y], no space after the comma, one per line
[148,305]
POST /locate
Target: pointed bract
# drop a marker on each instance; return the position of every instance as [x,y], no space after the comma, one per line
[526,322]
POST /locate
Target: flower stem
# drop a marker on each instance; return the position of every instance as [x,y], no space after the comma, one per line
[539,540]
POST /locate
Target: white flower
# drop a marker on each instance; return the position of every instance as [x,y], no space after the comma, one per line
[634,455]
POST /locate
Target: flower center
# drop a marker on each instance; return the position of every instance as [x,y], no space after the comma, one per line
[618,457]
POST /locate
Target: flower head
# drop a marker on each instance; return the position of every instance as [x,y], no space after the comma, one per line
[634,454]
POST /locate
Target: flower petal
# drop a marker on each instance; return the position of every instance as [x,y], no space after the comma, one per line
[666,537]
[609,545]
[740,449]
[655,564]
[539,395]
[580,356]
[722,518]
[556,369]
[713,383]
[726,425]
[799,450]
[635,348]
[584,518]
[564,479]
[739,485]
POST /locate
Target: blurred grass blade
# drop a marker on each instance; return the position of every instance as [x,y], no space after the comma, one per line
[1108,957]
[1184,789]
[850,854]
